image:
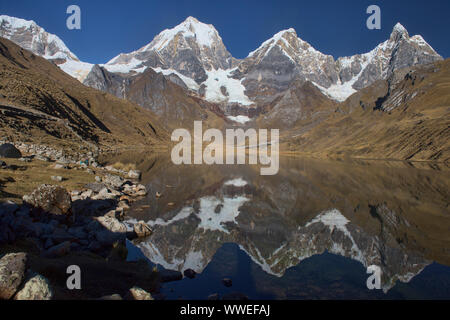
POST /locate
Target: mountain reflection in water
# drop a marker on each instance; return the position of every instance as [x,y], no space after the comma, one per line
[391,214]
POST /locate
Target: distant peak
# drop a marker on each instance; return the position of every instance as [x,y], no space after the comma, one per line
[191,19]
[17,22]
[399,31]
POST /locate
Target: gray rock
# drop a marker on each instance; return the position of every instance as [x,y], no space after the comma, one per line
[57,178]
[142,230]
[96,187]
[36,288]
[52,199]
[114,181]
[8,150]
[112,224]
[137,293]
[12,272]
[134,174]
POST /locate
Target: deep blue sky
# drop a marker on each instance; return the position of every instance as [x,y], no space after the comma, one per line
[333,27]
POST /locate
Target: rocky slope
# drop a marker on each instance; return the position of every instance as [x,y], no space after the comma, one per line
[404,117]
[164,95]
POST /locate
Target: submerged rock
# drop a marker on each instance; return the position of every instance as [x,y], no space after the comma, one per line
[134,174]
[137,293]
[142,230]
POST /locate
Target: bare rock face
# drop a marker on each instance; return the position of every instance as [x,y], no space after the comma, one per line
[112,224]
[36,288]
[281,60]
[12,270]
[51,199]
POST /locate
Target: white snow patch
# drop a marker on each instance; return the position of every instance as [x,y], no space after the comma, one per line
[239,182]
[222,78]
[210,220]
[240,119]
[77,69]
[190,83]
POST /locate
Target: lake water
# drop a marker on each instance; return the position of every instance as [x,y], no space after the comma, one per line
[307,233]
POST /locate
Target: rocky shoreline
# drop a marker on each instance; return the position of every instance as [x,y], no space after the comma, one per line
[59,222]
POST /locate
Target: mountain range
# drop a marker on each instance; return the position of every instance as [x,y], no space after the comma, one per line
[186,73]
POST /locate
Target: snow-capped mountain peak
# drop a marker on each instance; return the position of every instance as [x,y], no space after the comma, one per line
[399,31]
[277,39]
[204,35]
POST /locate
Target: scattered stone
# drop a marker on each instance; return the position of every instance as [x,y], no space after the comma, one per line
[52,199]
[25,159]
[59,166]
[112,224]
[98,179]
[158,195]
[189,273]
[142,230]
[8,150]
[57,178]
[12,271]
[137,293]
[104,194]
[87,194]
[227,282]
[96,187]
[42,158]
[3,165]
[36,288]
[114,181]
[134,174]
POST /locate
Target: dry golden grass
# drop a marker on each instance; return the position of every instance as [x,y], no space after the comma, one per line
[14,184]
[124,166]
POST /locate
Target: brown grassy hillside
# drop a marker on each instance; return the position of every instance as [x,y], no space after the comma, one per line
[41,103]
[406,117]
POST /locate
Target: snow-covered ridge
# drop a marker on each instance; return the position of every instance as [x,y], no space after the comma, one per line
[54,47]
